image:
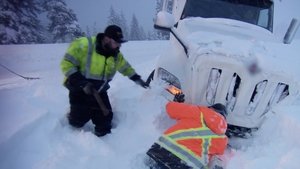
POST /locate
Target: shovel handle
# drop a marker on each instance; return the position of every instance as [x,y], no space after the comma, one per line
[102,106]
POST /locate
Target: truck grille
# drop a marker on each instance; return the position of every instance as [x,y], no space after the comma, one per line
[247,97]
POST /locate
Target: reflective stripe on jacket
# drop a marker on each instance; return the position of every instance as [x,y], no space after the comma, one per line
[198,134]
[82,56]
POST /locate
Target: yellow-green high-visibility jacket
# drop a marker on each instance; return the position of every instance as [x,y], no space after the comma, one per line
[81,56]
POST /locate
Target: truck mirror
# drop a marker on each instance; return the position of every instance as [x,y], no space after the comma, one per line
[164,20]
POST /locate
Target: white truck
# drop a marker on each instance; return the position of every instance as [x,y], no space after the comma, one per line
[219,54]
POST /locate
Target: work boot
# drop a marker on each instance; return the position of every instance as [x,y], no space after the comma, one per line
[101,132]
[73,122]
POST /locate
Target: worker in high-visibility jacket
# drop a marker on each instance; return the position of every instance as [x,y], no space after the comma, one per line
[89,64]
[198,135]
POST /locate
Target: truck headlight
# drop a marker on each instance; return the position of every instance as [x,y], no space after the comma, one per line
[168,77]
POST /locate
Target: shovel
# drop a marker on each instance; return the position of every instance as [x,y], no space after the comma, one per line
[102,106]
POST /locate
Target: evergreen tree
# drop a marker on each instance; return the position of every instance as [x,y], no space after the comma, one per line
[19,23]
[123,25]
[143,35]
[63,22]
[118,19]
[150,35]
[88,31]
[95,29]
[113,18]
[135,29]
[153,35]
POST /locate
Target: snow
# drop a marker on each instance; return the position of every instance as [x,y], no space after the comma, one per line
[165,19]
[34,132]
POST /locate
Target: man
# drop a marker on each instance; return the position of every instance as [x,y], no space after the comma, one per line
[89,64]
[193,142]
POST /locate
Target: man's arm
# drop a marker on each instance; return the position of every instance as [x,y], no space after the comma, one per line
[71,62]
[127,70]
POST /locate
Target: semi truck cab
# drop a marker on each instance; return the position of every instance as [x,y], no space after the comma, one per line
[217,53]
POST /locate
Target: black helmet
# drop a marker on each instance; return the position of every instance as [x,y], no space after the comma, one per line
[220,108]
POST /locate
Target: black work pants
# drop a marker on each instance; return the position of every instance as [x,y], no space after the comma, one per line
[85,107]
[163,159]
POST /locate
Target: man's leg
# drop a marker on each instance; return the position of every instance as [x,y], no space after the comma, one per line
[165,159]
[79,111]
[102,123]
[78,116]
[151,163]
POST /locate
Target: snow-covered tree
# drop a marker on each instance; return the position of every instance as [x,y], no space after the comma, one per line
[88,31]
[63,22]
[114,17]
[143,35]
[95,29]
[135,29]
[153,35]
[19,23]
[124,26]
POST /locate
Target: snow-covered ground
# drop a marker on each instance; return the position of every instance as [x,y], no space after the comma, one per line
[34,133]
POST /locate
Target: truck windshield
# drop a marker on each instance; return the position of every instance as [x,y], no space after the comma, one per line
[257,12]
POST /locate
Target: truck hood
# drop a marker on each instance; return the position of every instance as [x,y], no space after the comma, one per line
[243,42]
[224,27]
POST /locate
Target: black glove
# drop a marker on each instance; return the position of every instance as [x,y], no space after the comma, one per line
[179,98]
[75,82]
[88,88]
[142,83]
[137,79]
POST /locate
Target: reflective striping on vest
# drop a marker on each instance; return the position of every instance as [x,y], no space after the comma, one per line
[197,133]
[202,133]
[130,75]
[201,117]
[206,140]
[71,71]
[164,142]
[89,58]
[206,144]
[89,62]
[124,67]
[71,59]
[91,69]
[95,77]
[206,135]
[100,77]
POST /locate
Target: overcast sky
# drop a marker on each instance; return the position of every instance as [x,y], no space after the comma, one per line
[96,11]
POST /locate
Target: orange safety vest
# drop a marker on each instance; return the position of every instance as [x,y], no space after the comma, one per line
[198,134]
